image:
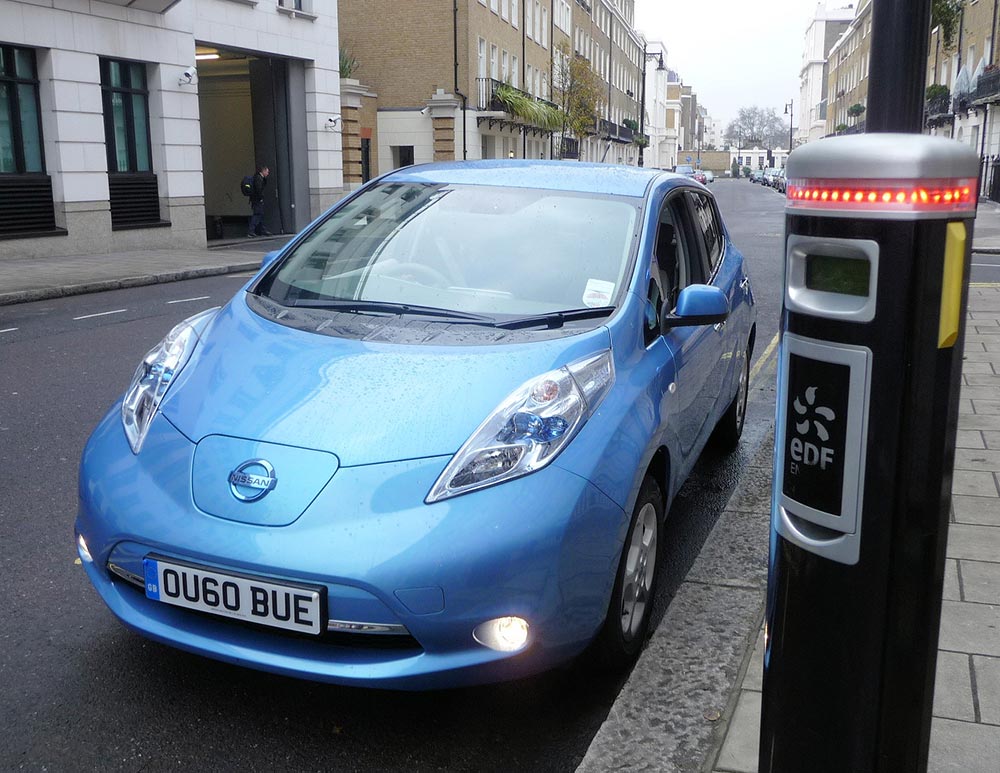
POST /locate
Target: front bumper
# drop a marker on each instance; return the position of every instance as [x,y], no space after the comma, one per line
[544,547]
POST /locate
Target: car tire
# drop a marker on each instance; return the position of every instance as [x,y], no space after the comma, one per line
[627,623]
[729,430]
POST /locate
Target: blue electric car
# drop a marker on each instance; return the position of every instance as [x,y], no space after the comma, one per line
[432,443]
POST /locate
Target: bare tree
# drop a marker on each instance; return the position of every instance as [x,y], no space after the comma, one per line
[757,126]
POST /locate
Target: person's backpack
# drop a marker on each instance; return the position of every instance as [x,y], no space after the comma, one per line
[246,185]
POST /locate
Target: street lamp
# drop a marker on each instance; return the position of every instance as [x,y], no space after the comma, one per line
[790,112]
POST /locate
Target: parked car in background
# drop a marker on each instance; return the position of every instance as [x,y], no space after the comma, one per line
[391,460]
[685,169]
[709,175]
[756,175]
[769,174]
[780,183]
[700,176]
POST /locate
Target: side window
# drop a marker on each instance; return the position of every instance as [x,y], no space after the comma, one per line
[674,264]
[707,222]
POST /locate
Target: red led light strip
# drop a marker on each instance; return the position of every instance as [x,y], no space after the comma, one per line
[884,195]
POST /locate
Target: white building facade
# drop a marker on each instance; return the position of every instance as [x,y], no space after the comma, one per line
[823,32]
[132,122]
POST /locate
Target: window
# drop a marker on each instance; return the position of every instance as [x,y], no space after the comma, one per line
[20,127]
[482,58]
[126,116]
[528,75]
[538,21]
[528,27]
[402,155]
[493,61]
[708,225]
[493,5]
[504,10]
[515,13]
[545,28]
[515,73]
[505,66]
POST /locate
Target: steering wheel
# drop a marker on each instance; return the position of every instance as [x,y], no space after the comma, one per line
[415,272]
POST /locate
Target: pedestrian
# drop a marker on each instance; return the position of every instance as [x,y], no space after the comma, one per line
[257,185]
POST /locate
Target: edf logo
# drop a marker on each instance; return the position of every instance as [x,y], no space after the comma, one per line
[809,415]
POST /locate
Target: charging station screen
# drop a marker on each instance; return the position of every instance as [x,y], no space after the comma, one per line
[816,433]
[846,276]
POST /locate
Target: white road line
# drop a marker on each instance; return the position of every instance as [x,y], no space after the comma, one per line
[8,330]
[102,314]
[188,300]
[987,265]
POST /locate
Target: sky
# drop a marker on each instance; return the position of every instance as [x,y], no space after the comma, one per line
[733,53]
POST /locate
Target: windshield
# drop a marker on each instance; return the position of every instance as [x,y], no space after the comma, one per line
[477,249]
[684,169]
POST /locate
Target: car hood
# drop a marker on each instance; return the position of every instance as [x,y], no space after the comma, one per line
[364,402]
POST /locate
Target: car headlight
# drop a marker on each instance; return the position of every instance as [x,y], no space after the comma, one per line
[156,373]
[529,428]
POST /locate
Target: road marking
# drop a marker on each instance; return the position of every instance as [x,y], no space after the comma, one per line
[188,300]
[8,330]
[987,265]
[984,284]
[763,358]
[101,314]
[241,276]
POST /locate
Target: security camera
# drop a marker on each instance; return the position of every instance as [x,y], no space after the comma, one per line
[425,111]
[188,75]
[331,122]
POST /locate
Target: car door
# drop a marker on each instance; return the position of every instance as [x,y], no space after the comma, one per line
[724,268]
[697,348]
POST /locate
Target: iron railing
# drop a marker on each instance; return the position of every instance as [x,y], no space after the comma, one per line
[488,99]
[988,87]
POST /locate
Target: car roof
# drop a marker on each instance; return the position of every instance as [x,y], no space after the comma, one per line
[577,176]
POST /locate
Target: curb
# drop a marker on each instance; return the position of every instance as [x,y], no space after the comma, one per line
[673,711]
[985,250]
[102,285]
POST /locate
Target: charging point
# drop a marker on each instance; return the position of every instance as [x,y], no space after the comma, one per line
[877,249]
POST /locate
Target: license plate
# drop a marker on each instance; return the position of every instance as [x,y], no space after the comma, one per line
[241,597]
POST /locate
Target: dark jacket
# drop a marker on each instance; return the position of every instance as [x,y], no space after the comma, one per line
[257,190]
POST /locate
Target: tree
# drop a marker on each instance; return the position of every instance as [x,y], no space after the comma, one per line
[755,125]
[578,92]
[946,15]
[855,110]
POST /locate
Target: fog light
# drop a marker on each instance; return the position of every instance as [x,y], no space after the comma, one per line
[81,545]
[504,634]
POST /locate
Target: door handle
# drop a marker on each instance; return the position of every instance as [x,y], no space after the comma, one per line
[718,326]
[745,283]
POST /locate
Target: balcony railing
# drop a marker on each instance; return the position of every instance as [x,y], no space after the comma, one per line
[988,87]
[614,131]
[489,100]
[570,148]
[938,106]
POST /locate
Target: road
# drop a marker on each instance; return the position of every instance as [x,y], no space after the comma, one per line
[80,692]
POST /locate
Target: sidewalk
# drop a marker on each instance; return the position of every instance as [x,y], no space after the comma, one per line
[965,730]
[36,279]
[693,701]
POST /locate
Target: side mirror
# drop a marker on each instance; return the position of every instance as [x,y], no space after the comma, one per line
[269,258]
[697,305]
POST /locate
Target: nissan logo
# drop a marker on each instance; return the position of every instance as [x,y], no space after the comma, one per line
[252,480]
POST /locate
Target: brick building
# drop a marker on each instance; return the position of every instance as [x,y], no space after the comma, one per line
[474,79]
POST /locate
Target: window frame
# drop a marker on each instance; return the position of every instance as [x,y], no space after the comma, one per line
[129,91]
[10,82]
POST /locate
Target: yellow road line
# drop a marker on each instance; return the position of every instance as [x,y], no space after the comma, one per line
[756,369]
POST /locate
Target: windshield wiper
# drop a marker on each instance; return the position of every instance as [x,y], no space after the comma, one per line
[385,307]
[554,319]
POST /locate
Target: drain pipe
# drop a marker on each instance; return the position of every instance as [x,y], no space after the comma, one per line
[465,106]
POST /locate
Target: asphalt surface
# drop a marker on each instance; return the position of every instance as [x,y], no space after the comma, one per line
[80,692]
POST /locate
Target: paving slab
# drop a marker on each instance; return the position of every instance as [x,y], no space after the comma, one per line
[977,484]
[740,751]
[983,510]
[985,460]
[952,587]
[971,628]
[987,671]
[991,438]
[969,438]
[953,687]
[974,542]
[963,747]
[981,581]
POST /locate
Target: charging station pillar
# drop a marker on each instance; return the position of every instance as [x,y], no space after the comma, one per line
[877,250]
